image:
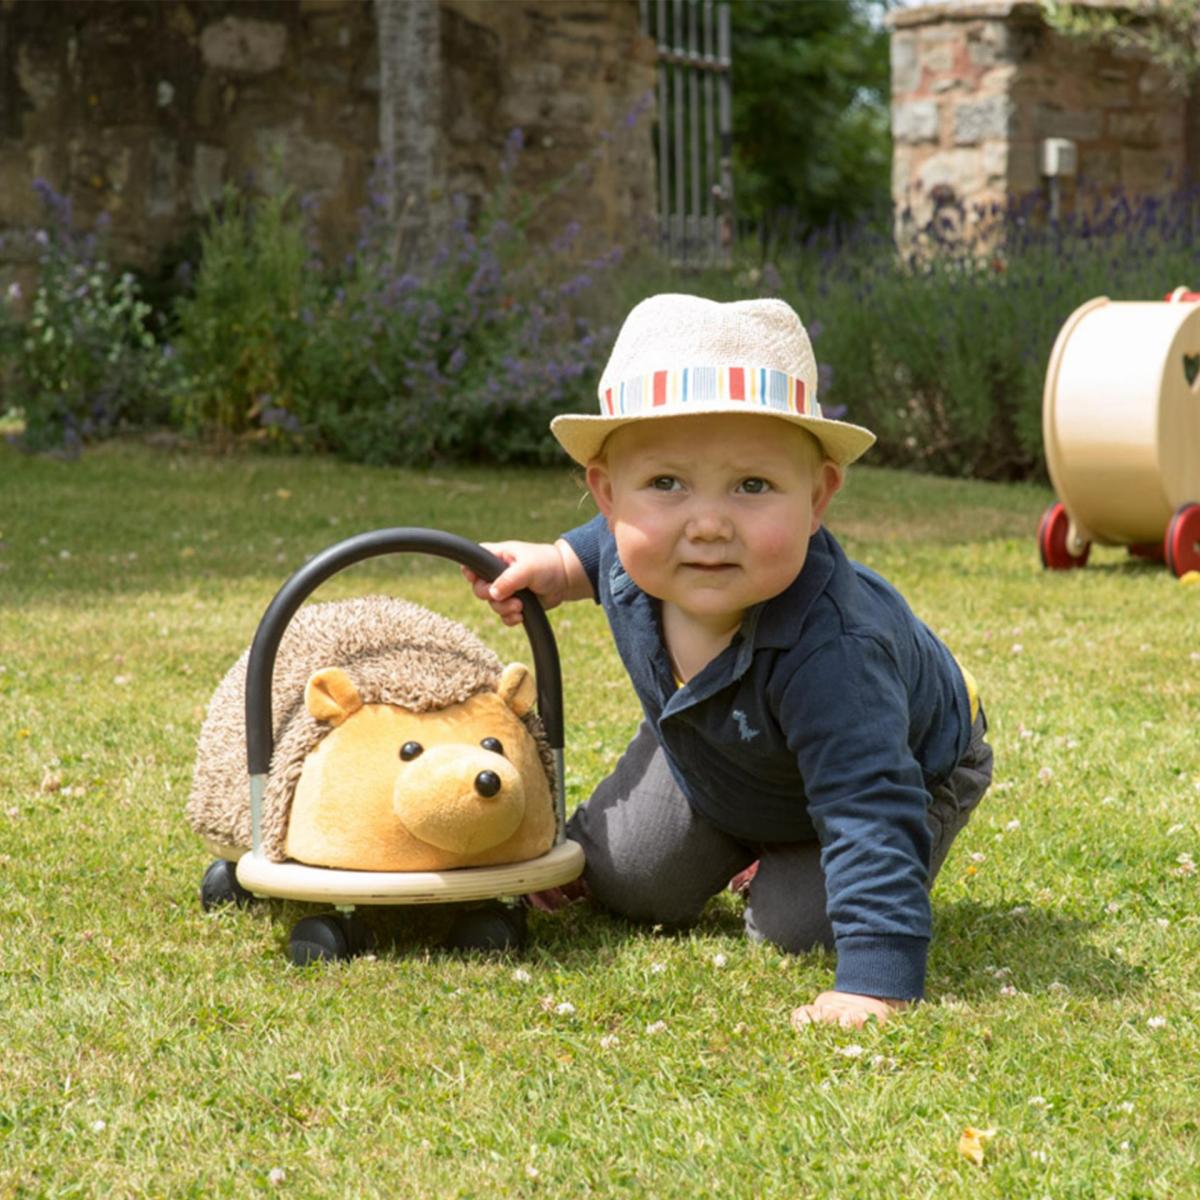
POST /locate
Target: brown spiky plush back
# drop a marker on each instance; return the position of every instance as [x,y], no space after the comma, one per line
[394,651]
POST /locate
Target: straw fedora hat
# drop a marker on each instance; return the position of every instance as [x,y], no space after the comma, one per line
[683,355]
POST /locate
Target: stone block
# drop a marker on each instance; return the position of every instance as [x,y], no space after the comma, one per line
[307,164]
[1143,129]
[1079,126]
[1099,168]
[1146,170]
[1022,170]
[960,170]
[990,43]
[994,157]
[938,58]
[979,120]
[38,76]
[243,45]
[162,183]
[916,121]
[208,175]
[906,67]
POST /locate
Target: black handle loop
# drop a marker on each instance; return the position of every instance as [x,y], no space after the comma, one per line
[260,739]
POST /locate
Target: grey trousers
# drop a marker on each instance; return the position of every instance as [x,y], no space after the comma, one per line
[651,858]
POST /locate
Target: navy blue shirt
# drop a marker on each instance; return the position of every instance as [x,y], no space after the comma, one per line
[830,716]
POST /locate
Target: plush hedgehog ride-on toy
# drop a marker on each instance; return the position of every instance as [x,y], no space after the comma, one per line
[391,758]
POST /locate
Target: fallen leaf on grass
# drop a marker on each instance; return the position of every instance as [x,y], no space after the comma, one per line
[972,1143]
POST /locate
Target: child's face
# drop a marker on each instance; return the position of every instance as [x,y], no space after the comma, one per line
[712,513]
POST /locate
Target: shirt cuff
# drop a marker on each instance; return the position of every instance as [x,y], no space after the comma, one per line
[892,968]
[587,550]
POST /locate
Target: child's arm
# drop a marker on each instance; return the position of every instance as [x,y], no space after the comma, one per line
[846,1009]
[551,570]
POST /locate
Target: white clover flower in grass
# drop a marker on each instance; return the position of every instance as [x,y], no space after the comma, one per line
[520,975]
[1008,990]
[609,1041]
[851,1051]
[565,1009]
[657,968]
[719,960]
[276,1176]
[1012,826]
[99,1126]
[1045,775]
[656,1027]
[1156,1022]
[1126,1106]
[1017,648]
[1039,1102]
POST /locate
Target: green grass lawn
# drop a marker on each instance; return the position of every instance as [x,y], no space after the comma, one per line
[149,1049]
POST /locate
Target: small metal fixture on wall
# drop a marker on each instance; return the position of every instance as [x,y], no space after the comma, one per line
[695,128]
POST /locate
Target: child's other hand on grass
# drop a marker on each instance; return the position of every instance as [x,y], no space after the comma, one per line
[548,569]
[552,899]
[847,1009]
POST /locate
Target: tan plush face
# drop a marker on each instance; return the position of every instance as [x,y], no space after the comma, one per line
[391,790]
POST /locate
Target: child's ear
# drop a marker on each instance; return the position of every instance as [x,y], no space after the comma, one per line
[826,483]
[599,481]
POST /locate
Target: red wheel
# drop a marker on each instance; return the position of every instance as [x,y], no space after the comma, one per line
[1182,542]
[1052,541]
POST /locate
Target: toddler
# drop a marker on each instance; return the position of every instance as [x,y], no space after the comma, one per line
[798,718]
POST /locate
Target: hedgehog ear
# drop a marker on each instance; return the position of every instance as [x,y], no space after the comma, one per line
[517,688]
[330,695]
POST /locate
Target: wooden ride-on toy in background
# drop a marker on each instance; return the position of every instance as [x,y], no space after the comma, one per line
[1121,425]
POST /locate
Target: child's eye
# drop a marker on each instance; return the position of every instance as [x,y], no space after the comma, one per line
[664,483]
[754,486]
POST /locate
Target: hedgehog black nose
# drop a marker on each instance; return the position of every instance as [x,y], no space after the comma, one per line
[487,783]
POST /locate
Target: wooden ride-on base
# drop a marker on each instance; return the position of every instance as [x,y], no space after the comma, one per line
[327,885]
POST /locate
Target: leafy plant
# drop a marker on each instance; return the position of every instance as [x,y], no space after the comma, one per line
[84,363]
[240,330]
[462,356]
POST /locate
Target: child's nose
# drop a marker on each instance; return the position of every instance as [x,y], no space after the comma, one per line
[709,524]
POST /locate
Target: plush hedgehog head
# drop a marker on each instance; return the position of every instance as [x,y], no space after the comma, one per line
[357,684]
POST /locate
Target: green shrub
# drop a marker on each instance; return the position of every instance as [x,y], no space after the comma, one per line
[464,357]
[82,364]
[239,331]
[943,352]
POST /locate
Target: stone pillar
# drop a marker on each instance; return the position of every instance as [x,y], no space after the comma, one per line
[410,123]
[977,87]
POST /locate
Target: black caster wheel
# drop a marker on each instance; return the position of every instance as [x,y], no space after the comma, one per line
[490,928]
[220,886]
[318,939]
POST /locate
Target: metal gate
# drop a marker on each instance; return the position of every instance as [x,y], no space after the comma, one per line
[695,131]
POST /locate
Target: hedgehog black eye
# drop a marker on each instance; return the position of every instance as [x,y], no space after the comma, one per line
[493,744]
[411,750]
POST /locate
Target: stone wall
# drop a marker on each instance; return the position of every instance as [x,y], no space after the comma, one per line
[977,85]
[144,109]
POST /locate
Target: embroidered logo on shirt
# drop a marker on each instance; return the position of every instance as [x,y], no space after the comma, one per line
[747,734]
